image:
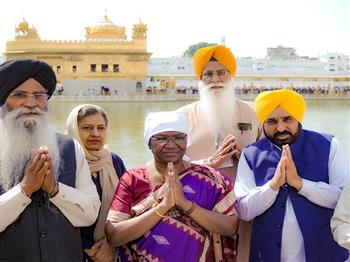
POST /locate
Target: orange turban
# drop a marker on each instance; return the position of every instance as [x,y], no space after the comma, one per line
[290,101]
[220,53]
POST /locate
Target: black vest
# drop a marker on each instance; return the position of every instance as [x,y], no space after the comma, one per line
[42,232]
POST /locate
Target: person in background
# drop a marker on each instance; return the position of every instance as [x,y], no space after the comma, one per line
[340,222]
[220,125]
[88,124]
[170,209]
[288,183]
[46,192]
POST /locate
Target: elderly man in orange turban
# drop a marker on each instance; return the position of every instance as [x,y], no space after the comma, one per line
[220,125]
[289,183]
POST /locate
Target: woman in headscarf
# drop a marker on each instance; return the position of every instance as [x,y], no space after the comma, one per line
[170,209]
[88,124]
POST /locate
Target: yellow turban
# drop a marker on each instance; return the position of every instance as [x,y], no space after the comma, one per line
[290,101]
[220,53]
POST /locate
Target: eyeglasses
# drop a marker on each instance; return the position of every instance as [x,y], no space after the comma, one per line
[208,75]
[22,96]
[163,140]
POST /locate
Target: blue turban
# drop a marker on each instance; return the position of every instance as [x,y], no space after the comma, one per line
[15,72]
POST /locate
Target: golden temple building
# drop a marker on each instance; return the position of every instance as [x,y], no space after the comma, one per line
[106,59]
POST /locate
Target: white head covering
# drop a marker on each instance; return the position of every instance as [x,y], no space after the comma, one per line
[159,122]
[72,123]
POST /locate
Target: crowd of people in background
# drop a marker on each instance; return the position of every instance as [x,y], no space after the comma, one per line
[301,90]
[192,90]
[229,180]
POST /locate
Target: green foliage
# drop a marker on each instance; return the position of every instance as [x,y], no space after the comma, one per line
[193,48]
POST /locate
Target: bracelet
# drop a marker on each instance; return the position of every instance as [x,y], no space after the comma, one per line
[156,211]
[192,208]
[54,191]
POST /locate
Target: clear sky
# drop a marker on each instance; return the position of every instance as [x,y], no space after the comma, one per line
[313,27]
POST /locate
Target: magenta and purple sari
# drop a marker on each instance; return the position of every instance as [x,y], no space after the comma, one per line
[176,237]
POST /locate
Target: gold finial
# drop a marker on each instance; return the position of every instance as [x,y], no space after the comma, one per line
[24,30]
[139,30]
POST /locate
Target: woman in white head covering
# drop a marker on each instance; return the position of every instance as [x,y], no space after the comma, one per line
[88,124]
[170,209]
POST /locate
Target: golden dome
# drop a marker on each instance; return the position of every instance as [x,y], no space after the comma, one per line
[106,30]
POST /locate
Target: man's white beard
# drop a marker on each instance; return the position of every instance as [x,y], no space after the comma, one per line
[19,134]
[219,106]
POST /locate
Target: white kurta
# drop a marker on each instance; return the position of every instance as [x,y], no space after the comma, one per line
[340,222]
[203,143]
[80,205]
[253,200]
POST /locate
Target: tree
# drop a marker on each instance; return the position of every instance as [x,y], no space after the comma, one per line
[193,48]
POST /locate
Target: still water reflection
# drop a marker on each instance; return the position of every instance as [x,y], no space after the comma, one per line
[127,119]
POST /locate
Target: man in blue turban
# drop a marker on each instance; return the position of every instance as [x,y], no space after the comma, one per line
[16,72]
[45,188]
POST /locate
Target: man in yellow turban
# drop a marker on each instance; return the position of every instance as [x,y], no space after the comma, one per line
[220,125]
[289,183]
[291,102]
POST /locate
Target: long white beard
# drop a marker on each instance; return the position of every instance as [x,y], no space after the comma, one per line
[19,135]
[219,107]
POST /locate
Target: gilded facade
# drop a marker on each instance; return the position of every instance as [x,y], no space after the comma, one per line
[104,58]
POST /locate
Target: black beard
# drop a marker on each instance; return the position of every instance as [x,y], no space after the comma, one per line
[274,139]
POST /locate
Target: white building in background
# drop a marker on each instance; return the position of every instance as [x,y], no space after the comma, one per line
[281,52]
[174,72]
[281,67]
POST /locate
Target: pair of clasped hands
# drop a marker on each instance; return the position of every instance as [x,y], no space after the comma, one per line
[227,149]
[39,173]
[172,192]
[286,172]
[101,251]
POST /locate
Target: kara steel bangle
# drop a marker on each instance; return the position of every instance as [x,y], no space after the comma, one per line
[191,209]
[54,191]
